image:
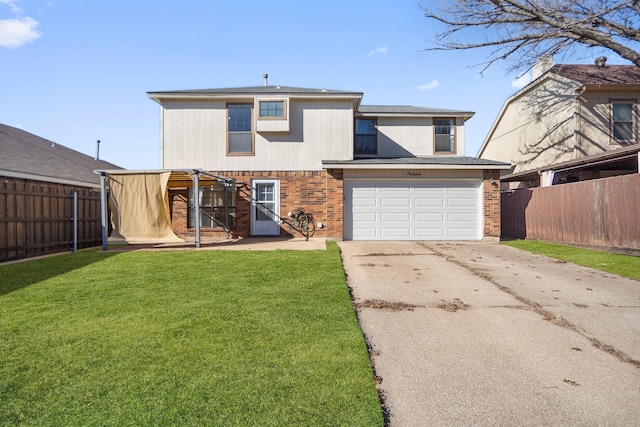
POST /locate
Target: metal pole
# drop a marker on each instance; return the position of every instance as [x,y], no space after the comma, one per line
[196,200]
[75,221]
[103,209]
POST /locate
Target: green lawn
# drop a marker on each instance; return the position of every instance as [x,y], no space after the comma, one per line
[623,265]
[183,338]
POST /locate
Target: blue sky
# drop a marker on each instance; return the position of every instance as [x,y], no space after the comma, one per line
[76,71]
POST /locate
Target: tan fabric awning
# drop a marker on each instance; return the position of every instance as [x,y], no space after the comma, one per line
[139,204]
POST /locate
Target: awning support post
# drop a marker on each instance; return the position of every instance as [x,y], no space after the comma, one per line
[196,202]
[103,209]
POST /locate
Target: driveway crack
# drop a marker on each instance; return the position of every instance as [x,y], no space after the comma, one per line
[546,314]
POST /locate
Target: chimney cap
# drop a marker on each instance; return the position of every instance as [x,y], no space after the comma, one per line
[601,61]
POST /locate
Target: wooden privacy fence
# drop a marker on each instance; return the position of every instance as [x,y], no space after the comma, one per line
[602,213]
[36,218]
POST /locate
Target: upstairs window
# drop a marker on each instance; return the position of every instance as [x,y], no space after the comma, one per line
[444,136]
[239,129]
[366,140]
[622,120]
[272,110]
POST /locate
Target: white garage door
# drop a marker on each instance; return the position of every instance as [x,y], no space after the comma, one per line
[412,210]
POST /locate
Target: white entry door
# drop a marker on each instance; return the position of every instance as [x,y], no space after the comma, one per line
[265,204]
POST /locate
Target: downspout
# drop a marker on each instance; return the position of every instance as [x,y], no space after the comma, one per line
[576,129]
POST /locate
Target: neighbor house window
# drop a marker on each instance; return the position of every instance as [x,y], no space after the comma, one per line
[273,109]
[217,207]
[239,129]
[444,135]
[622,120]
[366,140]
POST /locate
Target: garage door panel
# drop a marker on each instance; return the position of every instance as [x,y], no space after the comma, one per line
[432,201]
[395,201]
[460,232]
[462,217]
[395,233]
[438,217]
[458,202]
[429,233]
[364,217]
[395,216]
[412,210]
[365,201]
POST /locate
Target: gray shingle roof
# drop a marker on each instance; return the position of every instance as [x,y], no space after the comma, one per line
[409,109]
[257,90]
[594,75]
[25,153]
[429,160]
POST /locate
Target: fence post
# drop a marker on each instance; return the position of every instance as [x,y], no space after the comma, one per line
[75,221]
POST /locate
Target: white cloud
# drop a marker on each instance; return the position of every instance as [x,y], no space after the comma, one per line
[434,84]
[521,81]
[17,32]
[382,50]
[13,5]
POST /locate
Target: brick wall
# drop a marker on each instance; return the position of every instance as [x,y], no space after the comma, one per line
[317,192]
[320,193]
[491,202]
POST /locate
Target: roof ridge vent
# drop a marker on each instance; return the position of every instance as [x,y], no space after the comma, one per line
[601,61]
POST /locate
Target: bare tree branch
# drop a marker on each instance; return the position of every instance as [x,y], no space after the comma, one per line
[525,30]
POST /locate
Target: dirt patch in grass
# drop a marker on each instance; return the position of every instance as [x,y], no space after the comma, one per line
[385,305]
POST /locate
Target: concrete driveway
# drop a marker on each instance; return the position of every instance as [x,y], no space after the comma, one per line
[484,334]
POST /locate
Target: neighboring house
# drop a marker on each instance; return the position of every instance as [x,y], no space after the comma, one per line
[363,172]
[38,178]
[566,113]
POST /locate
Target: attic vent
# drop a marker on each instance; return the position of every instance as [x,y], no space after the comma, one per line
[601,61]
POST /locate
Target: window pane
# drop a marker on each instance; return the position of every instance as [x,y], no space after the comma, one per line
[265,212]
[212,209]
[622,112]
[444,143]
[271,108]
[444,130]
[239,118]
[240,143]
[365,144]
[365,127]
[366,137]
[443,126]
[623,131]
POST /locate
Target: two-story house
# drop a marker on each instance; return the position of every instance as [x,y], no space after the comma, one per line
[572,122]
[363,172]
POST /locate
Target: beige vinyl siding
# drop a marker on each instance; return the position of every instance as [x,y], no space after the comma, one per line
[594,128]
[194,136]
[537,128]
[411,136]
[189,131]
